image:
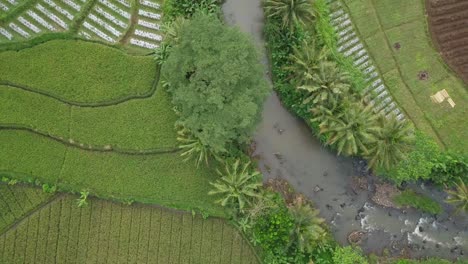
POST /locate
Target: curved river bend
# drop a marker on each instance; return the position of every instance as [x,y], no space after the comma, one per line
[287,149]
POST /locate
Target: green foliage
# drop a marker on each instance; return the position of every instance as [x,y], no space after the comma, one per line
[349,255]
[272,233]
[162,53]
[459,196]
[49,188]
[216,82]
[418,162]
[292,13]
[410,198]
[187,8]
[64,69]
[238,186]
[448,167]
[83,200]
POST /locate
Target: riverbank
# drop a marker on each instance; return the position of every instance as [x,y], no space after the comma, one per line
[286,149]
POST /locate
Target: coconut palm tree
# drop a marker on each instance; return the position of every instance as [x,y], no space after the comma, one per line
[459,196]
[325,83]
[351,130]
[391,142]
[172,30]
[238,186]
[194,148]
[291,12]
[307,228]
[305,58]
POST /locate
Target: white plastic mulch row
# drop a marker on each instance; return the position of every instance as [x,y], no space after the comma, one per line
[40,20]
[72,4]
[98,32]
[28,24]
[148,24]
[110,17]
[350,45]
[103,24]
[143,44]
[51,16]
[115,8]
[5,33]
[149,14]
[19,30]
[4,7]
[150,4]
[59,9]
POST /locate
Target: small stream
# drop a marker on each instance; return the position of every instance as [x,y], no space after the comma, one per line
[287,149]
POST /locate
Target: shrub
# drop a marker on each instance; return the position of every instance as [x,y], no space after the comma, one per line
[349,255]
[216,81]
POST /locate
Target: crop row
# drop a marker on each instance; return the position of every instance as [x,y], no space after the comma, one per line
[114,233]
[17,201]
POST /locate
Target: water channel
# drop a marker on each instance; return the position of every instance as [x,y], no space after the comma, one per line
[288,150]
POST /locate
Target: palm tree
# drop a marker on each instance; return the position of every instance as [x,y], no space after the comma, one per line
[459,196]
[325,83]
[83,200]
[305,58]
[172,30]
[307,227]
[291,12]
[391,142]
[194,148]
[238,186]
[351,130]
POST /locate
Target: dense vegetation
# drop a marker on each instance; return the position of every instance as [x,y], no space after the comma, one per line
[216,82]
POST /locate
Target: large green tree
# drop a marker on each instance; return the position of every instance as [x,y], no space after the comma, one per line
[216,81]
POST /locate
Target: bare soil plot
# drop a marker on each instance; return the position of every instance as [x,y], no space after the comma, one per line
[448,23]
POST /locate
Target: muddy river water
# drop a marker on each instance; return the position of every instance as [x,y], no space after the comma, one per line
[288,150]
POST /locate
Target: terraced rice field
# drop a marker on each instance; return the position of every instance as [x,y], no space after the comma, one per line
[18,201]
[394,49]
[107,137]
[449,26]
[107,232]
[133,24]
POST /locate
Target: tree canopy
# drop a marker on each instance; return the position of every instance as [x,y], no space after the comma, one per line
[216,81]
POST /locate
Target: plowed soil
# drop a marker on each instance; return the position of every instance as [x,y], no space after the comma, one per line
[448,23]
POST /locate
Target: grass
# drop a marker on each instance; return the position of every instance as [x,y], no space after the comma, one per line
[66,69]
[49,139]
[412,199]
[17,201]
[136,124]
[381,27]
[63,233]
[163,179]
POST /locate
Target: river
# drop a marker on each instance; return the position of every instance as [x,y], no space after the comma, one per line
[287,149]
